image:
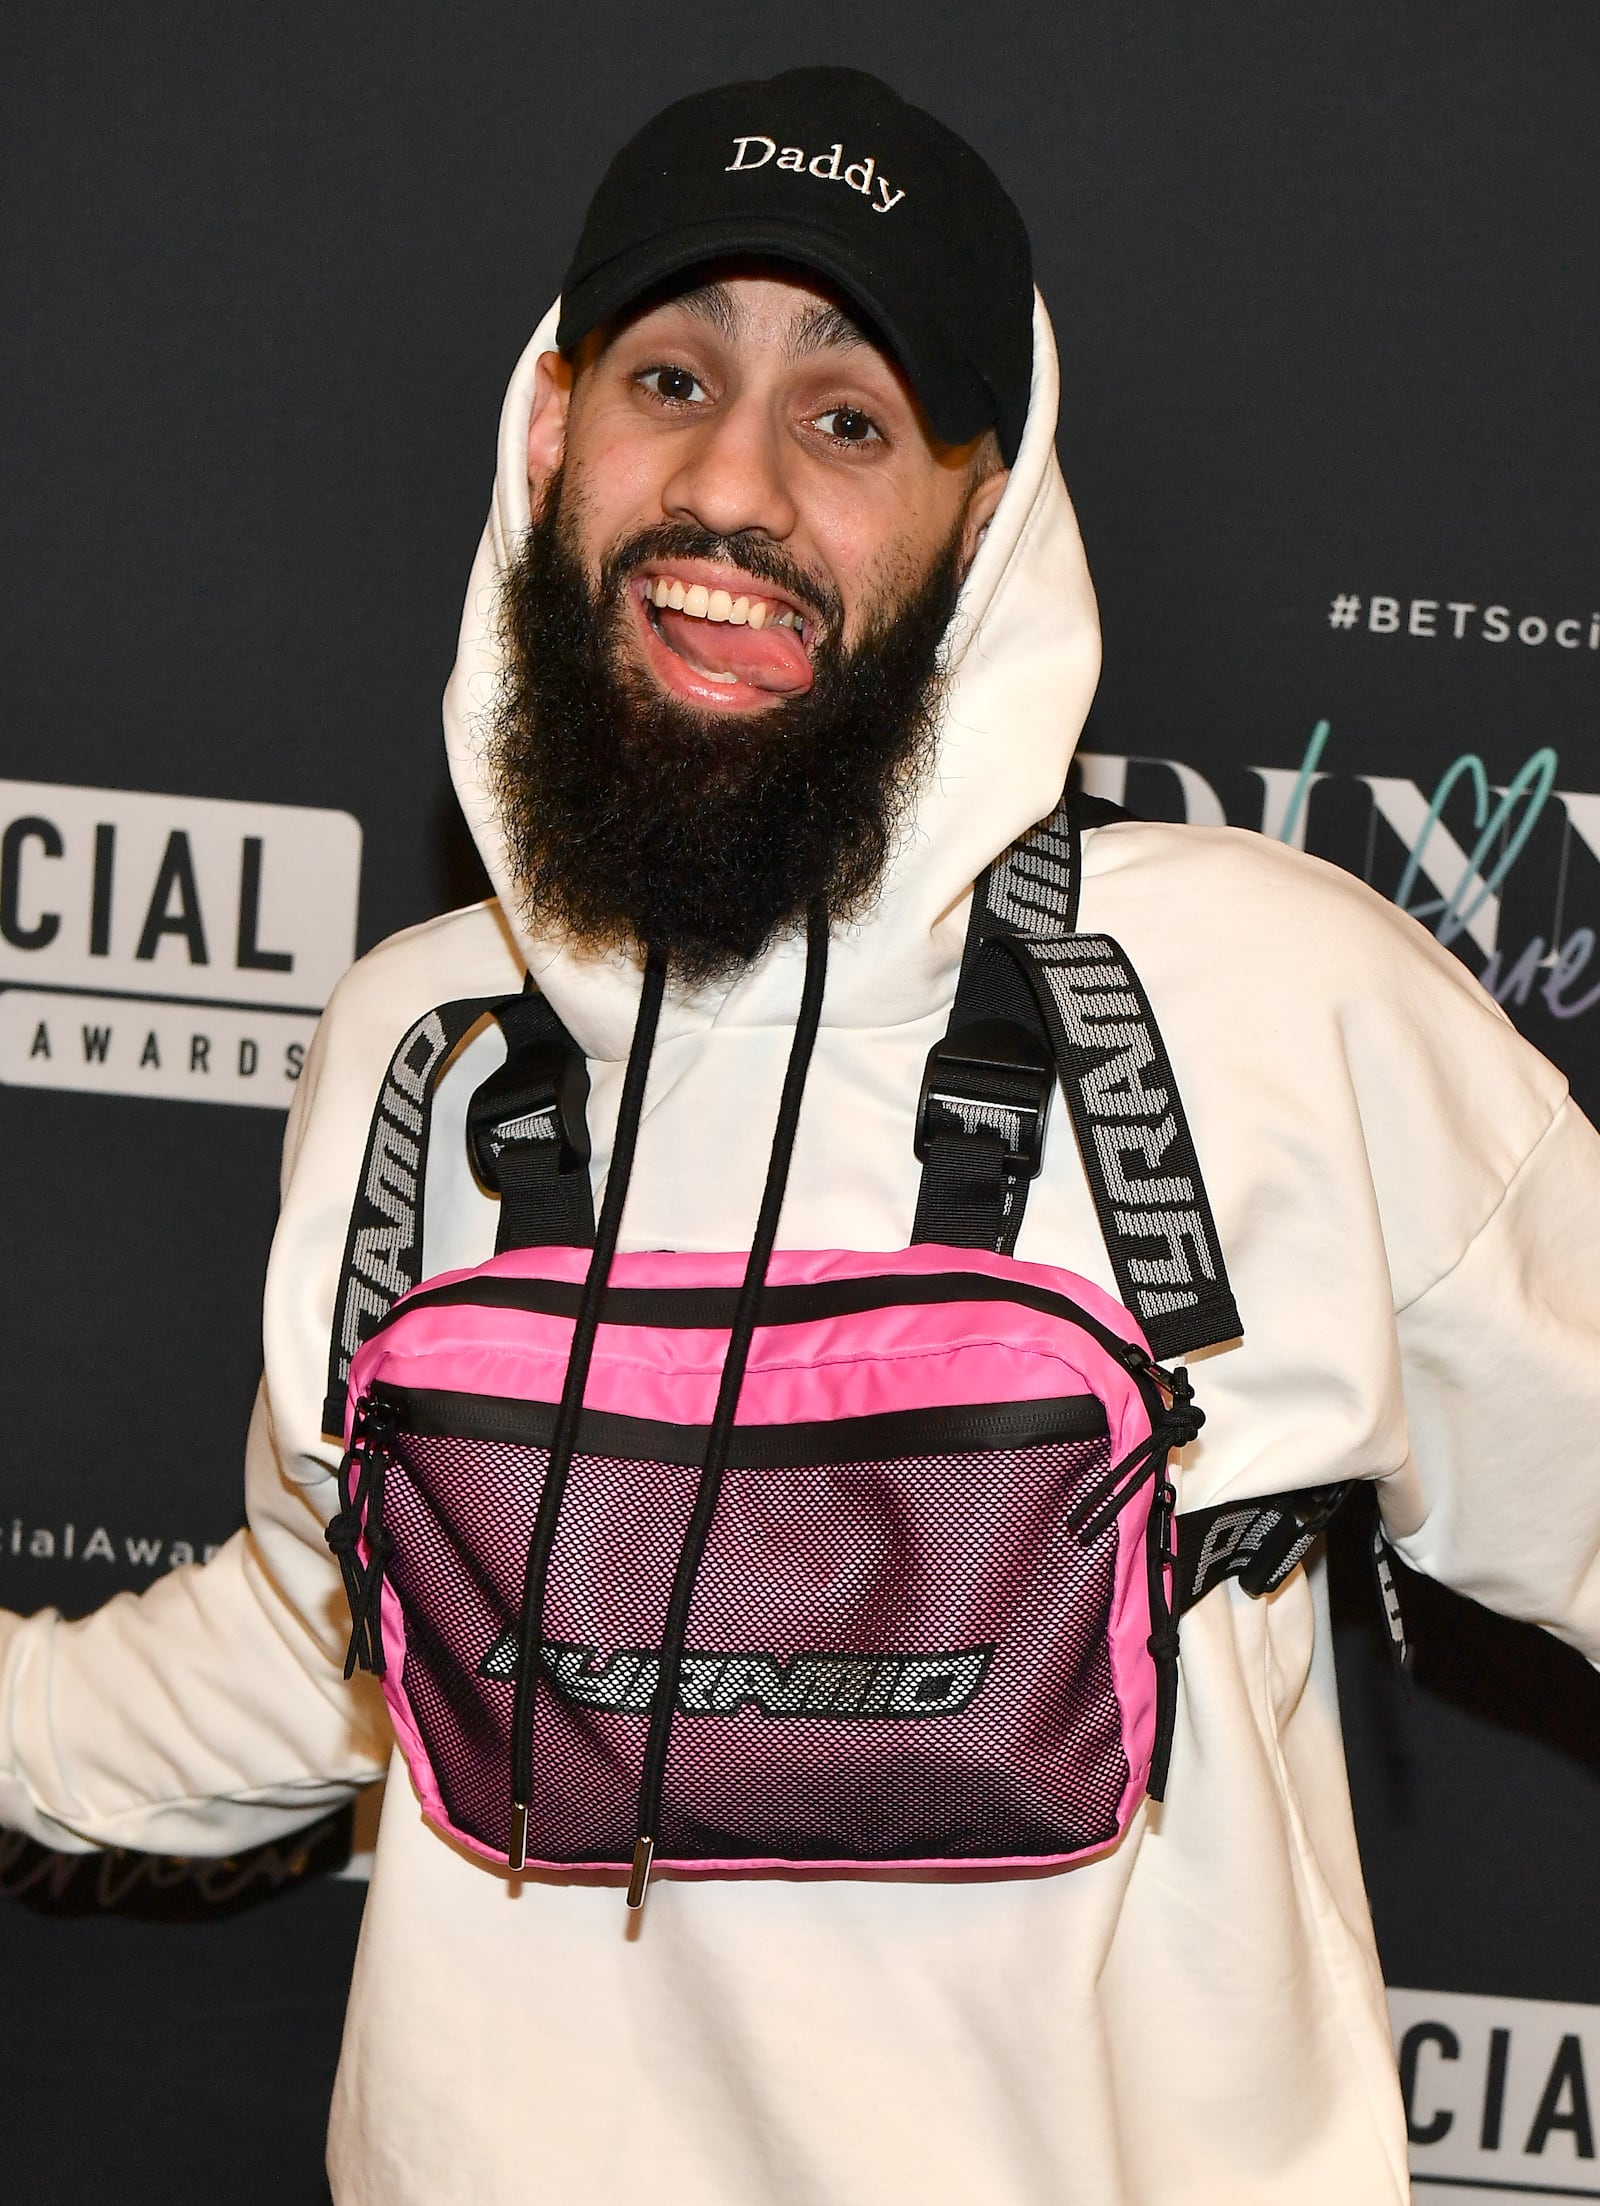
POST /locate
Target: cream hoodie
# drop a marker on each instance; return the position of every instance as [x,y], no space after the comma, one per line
[1408,1204]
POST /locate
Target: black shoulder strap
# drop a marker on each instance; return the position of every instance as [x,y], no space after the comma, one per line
[528,1133]
[528,1143]
[1037,1000]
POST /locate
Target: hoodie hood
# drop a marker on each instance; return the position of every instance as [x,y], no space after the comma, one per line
[1023,650]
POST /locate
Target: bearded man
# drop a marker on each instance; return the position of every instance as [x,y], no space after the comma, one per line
[782,610]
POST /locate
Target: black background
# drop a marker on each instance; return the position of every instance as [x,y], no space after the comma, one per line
[1324,286]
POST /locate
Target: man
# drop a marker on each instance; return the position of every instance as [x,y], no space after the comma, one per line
[782,599]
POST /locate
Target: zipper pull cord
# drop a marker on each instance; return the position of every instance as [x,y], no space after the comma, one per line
[564,1434]
[709,1486]
[1174,1427]
[1161,1560]
[344,1528]
[361,1481]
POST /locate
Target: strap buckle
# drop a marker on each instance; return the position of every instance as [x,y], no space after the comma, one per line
[992,1076]
[539,1094]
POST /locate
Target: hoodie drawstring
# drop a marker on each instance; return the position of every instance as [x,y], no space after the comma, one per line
[746,1310]
[563,1437]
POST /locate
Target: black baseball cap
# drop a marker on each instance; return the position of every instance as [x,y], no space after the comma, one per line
[830,170]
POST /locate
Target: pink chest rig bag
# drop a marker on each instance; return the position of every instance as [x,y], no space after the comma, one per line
[819,1558]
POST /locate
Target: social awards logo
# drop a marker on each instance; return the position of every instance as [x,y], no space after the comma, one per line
[168,946]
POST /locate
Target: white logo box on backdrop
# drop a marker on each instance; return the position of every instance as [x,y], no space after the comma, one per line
[1501,2095]
[168,945]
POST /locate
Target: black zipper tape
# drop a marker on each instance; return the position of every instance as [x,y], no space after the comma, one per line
[976,1428]
[712,1308]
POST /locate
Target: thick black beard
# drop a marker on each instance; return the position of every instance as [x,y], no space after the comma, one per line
[634,821]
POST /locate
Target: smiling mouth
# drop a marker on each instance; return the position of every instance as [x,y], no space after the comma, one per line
[718,645]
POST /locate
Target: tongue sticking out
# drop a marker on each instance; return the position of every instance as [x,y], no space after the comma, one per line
[767,658]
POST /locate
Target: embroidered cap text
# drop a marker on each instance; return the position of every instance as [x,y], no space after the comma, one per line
[861,175]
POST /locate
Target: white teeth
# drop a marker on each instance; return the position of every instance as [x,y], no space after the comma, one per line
[710,677]
[701,603]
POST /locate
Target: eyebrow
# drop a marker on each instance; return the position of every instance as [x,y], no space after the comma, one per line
[822,326]
[713,303]
[818,328]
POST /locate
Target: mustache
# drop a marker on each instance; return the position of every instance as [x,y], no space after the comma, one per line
[753,554]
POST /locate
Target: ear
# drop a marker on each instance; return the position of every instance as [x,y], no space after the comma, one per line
[980,512]
[547,425]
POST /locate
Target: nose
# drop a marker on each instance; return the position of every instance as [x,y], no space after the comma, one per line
[732,474]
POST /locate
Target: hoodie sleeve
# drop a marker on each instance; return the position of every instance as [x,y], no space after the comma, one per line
[1500,1496]
[210,1712]
[202,1716]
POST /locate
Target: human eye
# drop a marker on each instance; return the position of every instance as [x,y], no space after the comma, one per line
[847,425]
[676,385]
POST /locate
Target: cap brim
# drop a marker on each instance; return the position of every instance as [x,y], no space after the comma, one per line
[957,402]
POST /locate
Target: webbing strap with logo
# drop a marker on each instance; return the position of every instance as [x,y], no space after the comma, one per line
[527,1141]
[1035,999]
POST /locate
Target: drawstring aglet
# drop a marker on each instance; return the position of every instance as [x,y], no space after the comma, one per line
[643,1854]
[518,1849]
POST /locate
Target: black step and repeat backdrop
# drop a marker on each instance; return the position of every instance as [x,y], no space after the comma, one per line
[1324,281]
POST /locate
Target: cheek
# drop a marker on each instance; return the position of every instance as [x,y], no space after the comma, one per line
[881,537]
[612,488]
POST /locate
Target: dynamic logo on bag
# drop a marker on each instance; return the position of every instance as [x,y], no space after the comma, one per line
[168,946]
[723,1684]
